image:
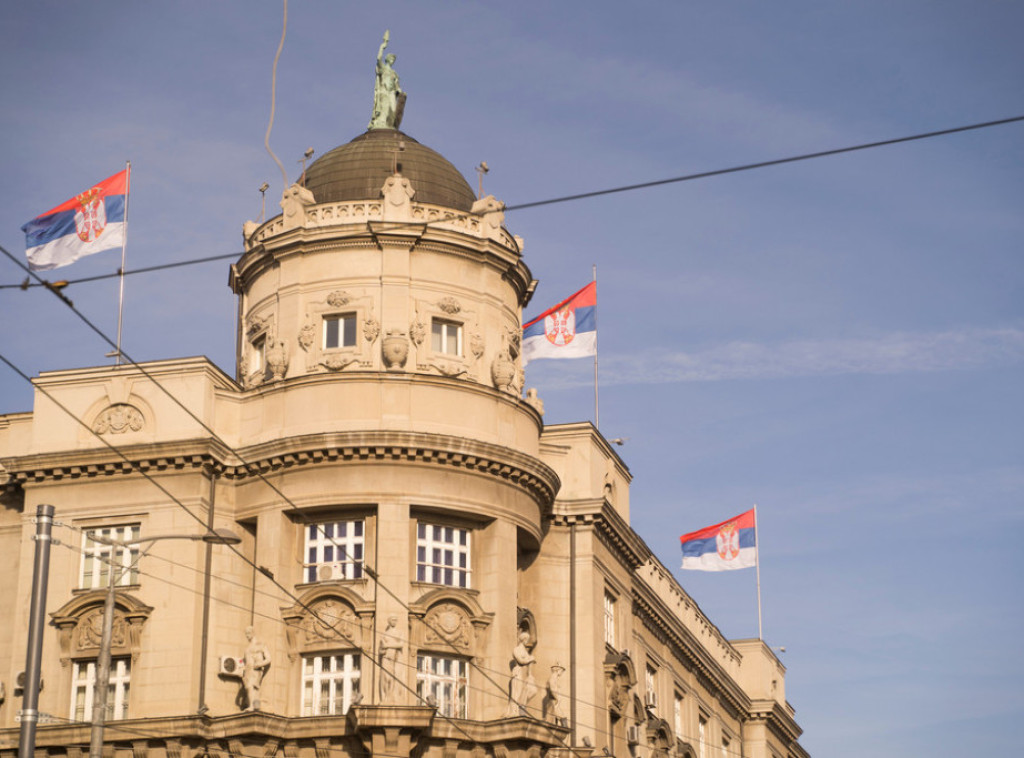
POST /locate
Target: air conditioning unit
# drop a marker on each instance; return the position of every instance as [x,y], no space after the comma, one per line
[633,735]
[230,666]
[651,700]
[327,572]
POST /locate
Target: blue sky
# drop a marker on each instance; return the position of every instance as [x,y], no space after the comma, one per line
[840,341]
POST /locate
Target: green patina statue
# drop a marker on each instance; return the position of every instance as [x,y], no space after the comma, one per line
[388,98]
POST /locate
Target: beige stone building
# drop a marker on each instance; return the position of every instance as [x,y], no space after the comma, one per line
[428,569]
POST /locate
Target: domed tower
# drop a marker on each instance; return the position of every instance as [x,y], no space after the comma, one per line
[379,338]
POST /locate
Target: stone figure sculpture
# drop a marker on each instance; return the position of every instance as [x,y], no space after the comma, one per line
[388,651]
[555,705]
[257,661]
[388,98]
[521,686]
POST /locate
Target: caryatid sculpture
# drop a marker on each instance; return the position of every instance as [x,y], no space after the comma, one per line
[388,98]
[521,686]
[388,650]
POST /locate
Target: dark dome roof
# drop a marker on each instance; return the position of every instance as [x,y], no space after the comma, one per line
[357,170]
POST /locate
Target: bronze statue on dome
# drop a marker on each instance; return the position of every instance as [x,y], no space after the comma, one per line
[388,98]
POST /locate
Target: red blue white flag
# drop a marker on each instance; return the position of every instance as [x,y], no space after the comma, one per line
[88,223]
[722,547]
[567,330]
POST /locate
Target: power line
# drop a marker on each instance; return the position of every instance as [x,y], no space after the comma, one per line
[594,193]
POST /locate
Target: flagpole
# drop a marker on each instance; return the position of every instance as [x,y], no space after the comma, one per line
[757,567]
[597,412]
[124,246]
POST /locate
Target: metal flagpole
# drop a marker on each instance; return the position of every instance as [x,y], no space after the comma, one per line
[124,245]
[757,568]
[597,412]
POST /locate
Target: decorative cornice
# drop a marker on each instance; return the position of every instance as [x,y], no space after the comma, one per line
[523,471]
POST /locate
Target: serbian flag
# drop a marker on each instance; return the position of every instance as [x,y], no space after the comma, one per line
[568,330]
[722,547]
[88,223]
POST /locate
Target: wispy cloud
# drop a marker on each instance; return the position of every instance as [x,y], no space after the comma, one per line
[896,353]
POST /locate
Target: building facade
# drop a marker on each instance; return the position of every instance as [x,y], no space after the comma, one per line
[425,567]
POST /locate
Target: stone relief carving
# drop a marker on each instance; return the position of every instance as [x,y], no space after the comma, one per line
[449,305]
[449,624]
[389,649]
[338,298]
[418,332]
[89,632]
[330,621]
[119,419]
[398,193]
[257,660]
[256,324]
[307,334]
[371,329]
[554,701]
[337,362]
[476,344]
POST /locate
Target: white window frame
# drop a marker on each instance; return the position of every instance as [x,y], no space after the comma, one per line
[446,337]
[726,745]
[702,735]
[258,354]
[342,319]
[651,679]
[677,714]
[83,689]
[322,676]
[443,554]
[97,557]
[330,542]
[609,619]
[446,678]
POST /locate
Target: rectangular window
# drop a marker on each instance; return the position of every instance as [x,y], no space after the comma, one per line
[446,680]
[329,682]
[702,731]
[442,555]
[609,619]
[83,680]
[677,715]
[334,550]
[97,556]
[725,747]
[446,337]
[339,331]
[257,358]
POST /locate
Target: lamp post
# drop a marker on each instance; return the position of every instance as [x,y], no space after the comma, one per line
[99,707]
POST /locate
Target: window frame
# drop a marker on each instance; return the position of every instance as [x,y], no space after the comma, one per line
[610,602]
[98,557]
[343,319]
[351,546]
[450,689]
[313,678]
[429,546]
[83,684]
[439,339]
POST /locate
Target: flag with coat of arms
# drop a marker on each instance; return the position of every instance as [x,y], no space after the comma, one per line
[90,222]
[566,330]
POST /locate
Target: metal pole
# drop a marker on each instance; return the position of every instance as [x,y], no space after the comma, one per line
[36,620]
[99,692]
[597,412]
[124,246]
[757,566]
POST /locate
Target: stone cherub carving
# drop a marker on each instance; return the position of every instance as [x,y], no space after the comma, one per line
[388,650]
[521,686]
[257,661]
[388,98]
